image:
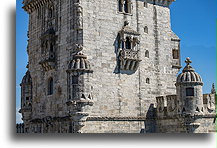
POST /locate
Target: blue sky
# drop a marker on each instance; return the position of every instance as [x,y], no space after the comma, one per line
[194,21]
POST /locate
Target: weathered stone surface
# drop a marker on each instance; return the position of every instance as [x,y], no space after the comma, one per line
[100,83]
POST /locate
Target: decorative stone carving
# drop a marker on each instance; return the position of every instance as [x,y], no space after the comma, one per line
[48,41]
[128,48]
[31,5]
[79,95]
[78,16]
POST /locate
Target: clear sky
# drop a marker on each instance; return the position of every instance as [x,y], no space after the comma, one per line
[194,21]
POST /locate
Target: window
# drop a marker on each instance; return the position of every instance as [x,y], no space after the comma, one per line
[120,5]
[50,86]
[124,6]
[189,91]
[146,29]
[148,81]
[183,110]
[147,54]
[50,12]
[75,87]
[128,43]
[27,98]
[51,47]
[175,54]
[205,101]
[145,4]
[30,105]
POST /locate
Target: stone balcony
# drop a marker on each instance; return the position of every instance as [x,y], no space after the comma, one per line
[48,61]
[129,59]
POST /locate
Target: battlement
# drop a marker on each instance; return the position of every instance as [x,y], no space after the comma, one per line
[166,105]
[20,128]
[209,103]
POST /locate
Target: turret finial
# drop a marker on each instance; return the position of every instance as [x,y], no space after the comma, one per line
[188,67]
[188,61]
[213,91]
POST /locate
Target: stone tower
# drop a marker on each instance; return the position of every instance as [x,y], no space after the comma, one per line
[26,99]
[97,66]
[188,111]
[189,90]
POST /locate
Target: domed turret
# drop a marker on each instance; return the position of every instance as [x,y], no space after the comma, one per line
[78,74]
[26,96]
[189,90]
[27,78]
[79,89]
[188,74]
[79,63]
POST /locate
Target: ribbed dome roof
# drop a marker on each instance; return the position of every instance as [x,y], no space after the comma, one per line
[27,78]
[188,74]
[79,63]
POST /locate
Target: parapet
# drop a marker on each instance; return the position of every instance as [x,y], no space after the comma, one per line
[209,103]
[20,128]
[166,105]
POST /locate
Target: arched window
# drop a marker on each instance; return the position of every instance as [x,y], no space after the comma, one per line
[127,6]
[120,5]
[50,86]
[30,105]
[146,29]
[183,110]
[148,81]
[128,43]
[124,6]
[147,54]
[50,12]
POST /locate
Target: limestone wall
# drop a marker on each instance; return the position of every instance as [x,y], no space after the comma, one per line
[127,93]
[115,93]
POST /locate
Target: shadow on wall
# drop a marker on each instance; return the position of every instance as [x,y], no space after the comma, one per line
[150,122]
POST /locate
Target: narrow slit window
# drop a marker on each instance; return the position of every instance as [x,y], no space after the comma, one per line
[147,54]
[148,81]
[50,86]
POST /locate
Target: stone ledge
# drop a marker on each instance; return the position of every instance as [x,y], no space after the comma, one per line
[116,118]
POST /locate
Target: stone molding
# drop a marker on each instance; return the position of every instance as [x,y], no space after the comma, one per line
[31,5]
[98,118]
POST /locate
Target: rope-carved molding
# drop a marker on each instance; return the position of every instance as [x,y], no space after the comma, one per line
[31,5]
